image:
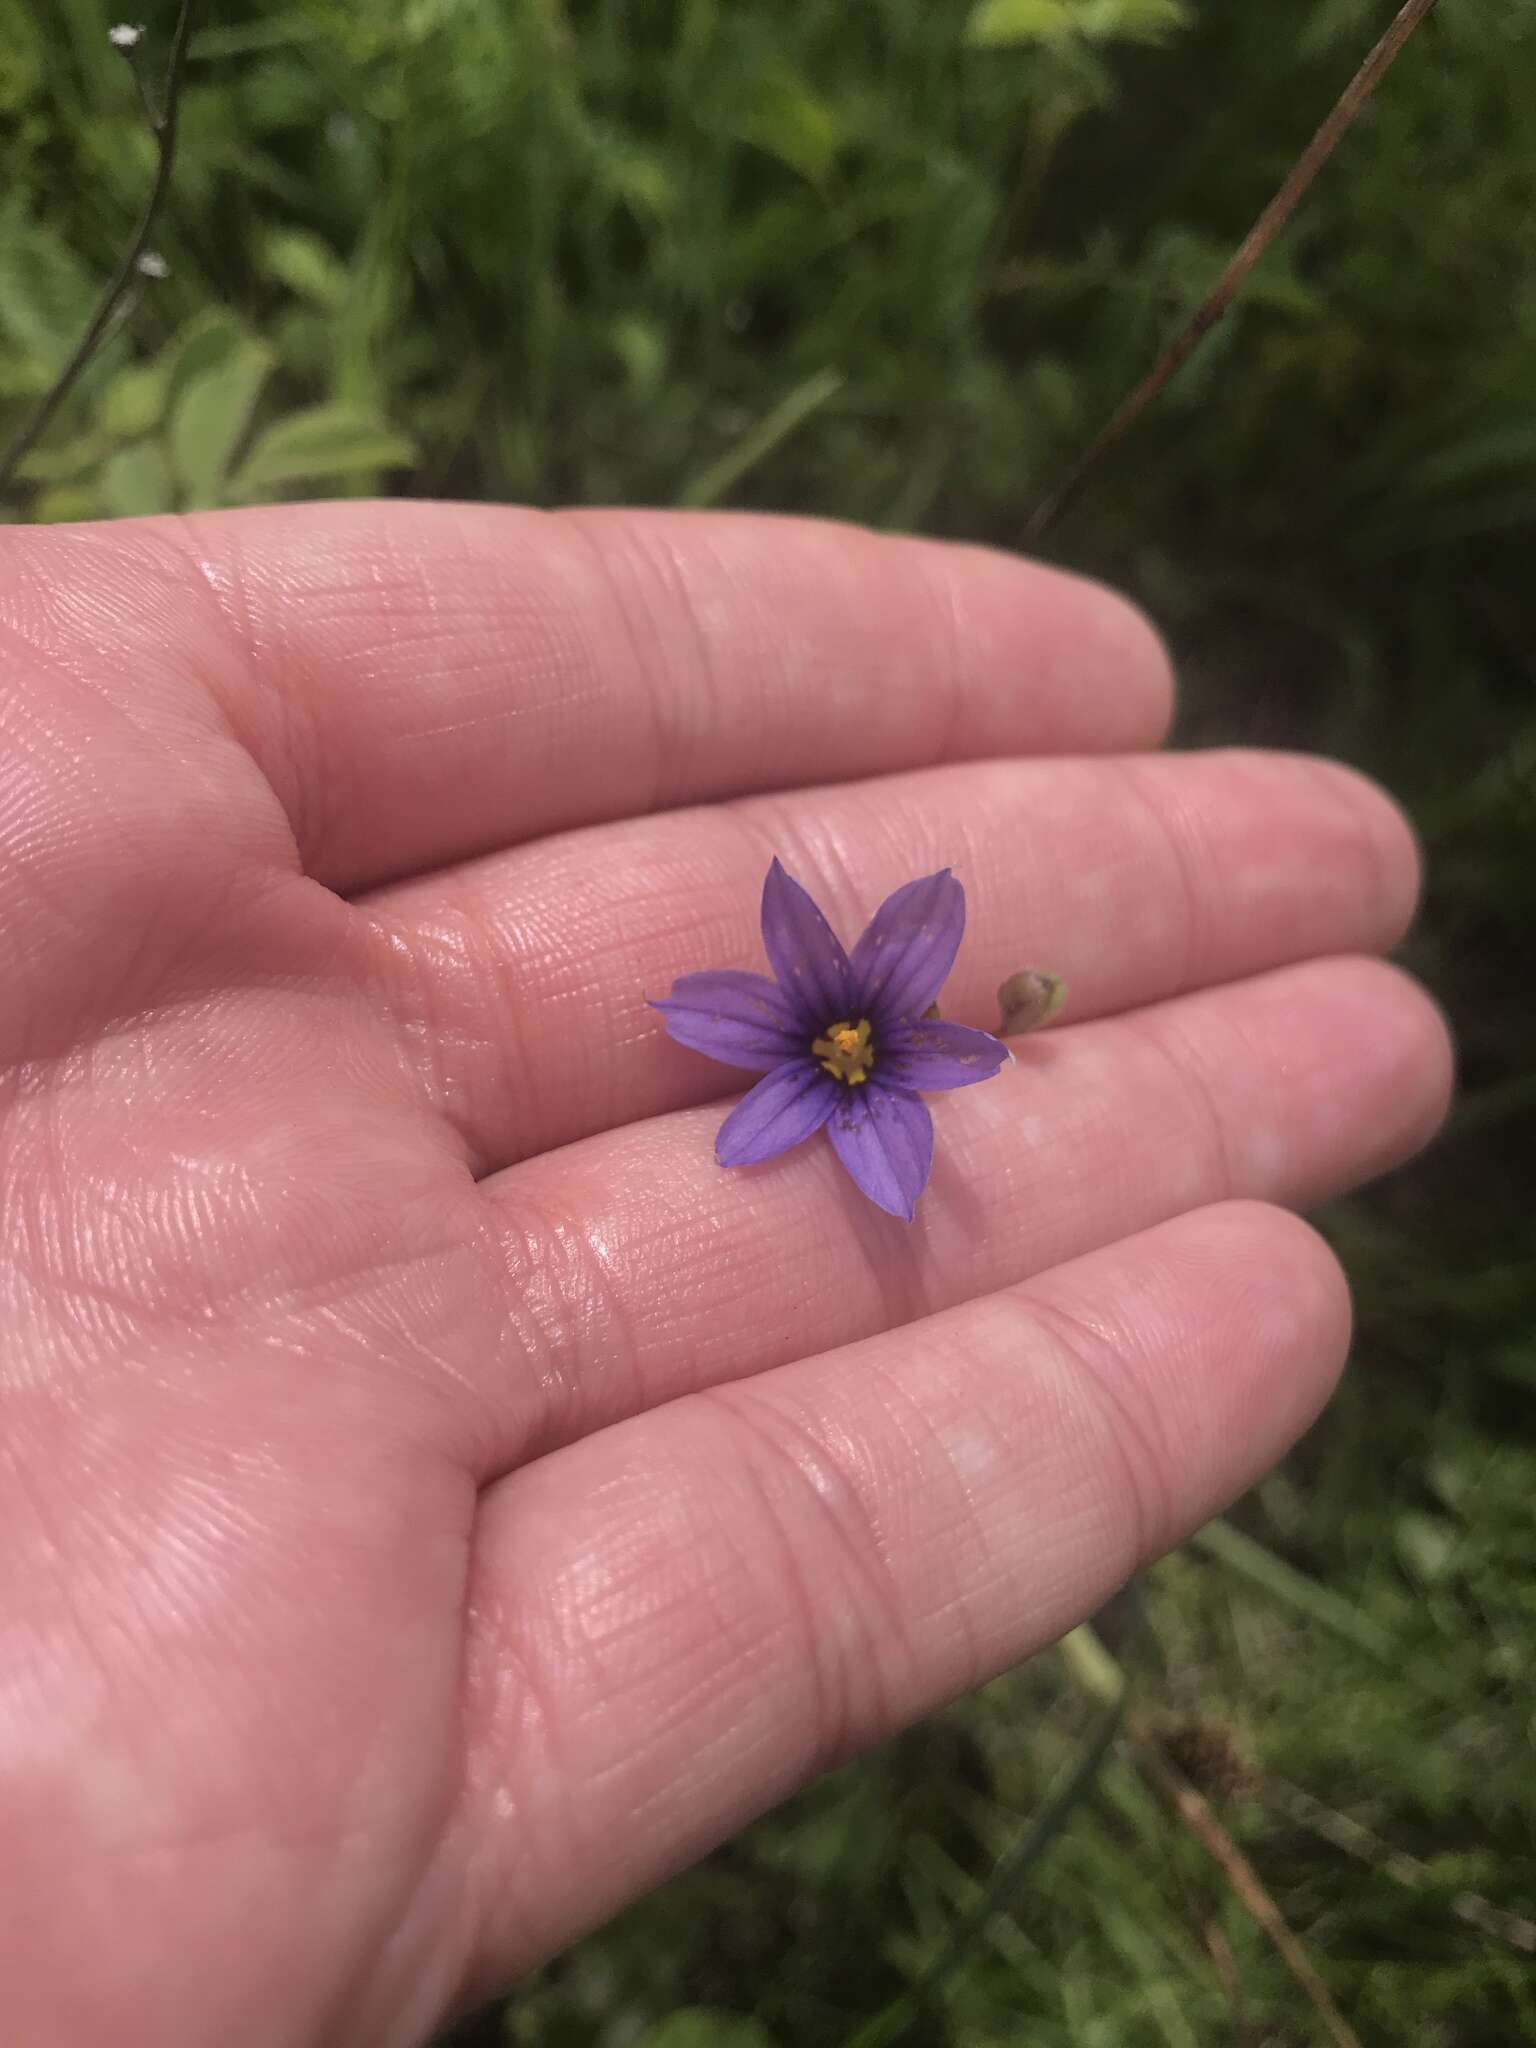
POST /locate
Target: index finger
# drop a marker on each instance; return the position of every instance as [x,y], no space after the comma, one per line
[423,682]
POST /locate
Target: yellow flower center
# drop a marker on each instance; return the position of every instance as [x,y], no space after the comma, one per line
[845,1051]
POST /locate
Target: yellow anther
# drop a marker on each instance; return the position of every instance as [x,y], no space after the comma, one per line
[845,1051]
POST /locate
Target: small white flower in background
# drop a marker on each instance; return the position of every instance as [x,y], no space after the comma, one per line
[153,264]
[125,36]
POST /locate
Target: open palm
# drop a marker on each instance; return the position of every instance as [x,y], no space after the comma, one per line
[437,1499]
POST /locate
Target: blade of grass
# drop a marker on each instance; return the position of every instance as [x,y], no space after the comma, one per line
[1260,1567]
[1084,1654]
[792,411]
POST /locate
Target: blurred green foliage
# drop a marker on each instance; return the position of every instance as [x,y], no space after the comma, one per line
[895,260]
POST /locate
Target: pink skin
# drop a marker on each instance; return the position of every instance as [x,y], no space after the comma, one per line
[417,1539]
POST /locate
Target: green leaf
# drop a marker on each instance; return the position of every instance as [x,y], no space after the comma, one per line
[133,403]
[641,347]
[702,2026]
[45,292]
[58,462]
[202,344]
[306,265]
[1131,21]
[641,179]
[790,122]
[64,505]
[211,418]
[318,444]
[136,480]
[997,24]
[1427,1544]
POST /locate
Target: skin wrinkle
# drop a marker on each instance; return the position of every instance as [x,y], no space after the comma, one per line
[1091,1362]
[149,538]
[1189,1070]
[558,1293]
[919,1430]
[616,1610]
[180,535]
[384,571]
[826,1480]
[730,1267]
[431,954]
[320,965]
[281,754]
[23,1474]
[939,577]
[1185,862]
[669,755]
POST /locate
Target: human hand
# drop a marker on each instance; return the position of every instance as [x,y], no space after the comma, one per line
[438,1501]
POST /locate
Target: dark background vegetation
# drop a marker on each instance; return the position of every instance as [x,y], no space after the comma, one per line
[895,260]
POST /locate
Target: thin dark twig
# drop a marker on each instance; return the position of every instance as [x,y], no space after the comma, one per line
[162,125]
[1269,223]
[1349,1835]
[152,116]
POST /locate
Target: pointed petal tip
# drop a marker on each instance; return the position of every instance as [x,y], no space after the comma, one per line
[806,955]
[931,1055]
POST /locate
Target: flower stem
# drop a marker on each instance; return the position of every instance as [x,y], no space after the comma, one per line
[1232,279]
[162,125]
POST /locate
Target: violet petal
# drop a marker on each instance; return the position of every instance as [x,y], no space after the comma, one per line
[785,1107]
[933,1053]
[885,1139]
[905,955]
[746,1020]
[804,952]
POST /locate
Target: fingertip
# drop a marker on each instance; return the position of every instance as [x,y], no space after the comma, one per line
[1415,1053]
[1394,855]
[1107,670]
[1122,641]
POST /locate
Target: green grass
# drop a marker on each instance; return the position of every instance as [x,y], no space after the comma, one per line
[853,256]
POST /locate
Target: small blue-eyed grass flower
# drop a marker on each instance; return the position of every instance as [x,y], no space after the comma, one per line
[841,1039]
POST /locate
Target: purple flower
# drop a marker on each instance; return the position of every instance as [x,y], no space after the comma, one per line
[841,1040]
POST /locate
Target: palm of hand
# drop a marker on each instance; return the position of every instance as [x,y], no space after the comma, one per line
[438,1501]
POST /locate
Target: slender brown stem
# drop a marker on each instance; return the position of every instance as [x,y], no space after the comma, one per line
[1269,223]
[162,125]
[1195,1811]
